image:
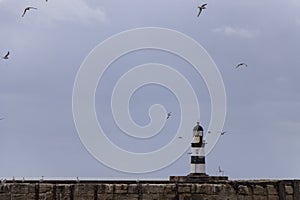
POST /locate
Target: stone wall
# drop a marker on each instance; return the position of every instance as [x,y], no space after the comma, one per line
[150,190]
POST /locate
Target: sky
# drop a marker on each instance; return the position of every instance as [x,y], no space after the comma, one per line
[38,136]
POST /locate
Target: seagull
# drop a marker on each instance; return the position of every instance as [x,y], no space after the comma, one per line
[42,179]
[201,8]
[222,133]
[169,115]
[26,9]
[6,56]
[77,179]
[221,171]
[241,65]
[180,137]
[23,179]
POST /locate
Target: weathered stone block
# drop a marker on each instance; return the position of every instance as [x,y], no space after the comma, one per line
[44,196]
[20,189]
[289,189]
[259,197]
[258,190]
[18,197]
[273,197]
[5,188]
[244,197]
[105,196]
[105,188]
[169,188]
[185,197]
[63,189]
[289,197]
[151,196]
[271,190]
[83,197]
[33,197]
[31,188]
[43,188]
[197,197]
[5,196]
[132,188]
[153,188]
[87,189]
[244,190]
[121,188]
[133,197]
[184,188]
[205,189]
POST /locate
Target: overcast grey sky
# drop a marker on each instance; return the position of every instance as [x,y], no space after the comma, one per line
[38,136]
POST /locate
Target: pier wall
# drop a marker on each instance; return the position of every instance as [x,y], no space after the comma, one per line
[150,190]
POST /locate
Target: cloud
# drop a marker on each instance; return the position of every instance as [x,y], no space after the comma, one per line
[58,10]
[73,10]
[236,32]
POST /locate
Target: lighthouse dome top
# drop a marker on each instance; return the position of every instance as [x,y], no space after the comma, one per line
[198,127]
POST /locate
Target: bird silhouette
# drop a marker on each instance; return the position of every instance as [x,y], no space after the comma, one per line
[169,115]
[202,7]
[26,9]
[221,171]
[223,132]
[241,65]
[6,55]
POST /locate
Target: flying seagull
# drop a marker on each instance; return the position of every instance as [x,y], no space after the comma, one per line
[221,171]
[169,115]
[26,9]
[6,55]
[223,132]
[203,6]
[241,65]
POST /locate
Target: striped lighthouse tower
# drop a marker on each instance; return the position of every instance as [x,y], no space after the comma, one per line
[198,153]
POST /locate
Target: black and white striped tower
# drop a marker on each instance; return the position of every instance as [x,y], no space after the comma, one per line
[198,152]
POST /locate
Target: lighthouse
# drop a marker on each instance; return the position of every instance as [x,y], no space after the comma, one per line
[198,151]
[197,163]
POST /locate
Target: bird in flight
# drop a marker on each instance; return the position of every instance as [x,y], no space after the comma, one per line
[203,6]
[169,115]
[223,132]
[6,55]
[26,9]
[241,65]
[221,171]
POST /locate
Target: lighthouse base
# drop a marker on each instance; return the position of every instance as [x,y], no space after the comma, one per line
[197,177]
